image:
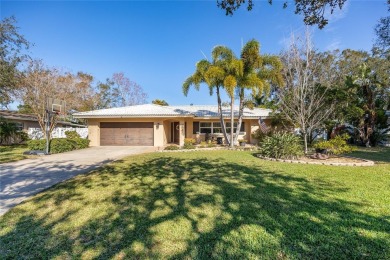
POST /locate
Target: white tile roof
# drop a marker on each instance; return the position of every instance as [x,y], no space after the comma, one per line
[151,110]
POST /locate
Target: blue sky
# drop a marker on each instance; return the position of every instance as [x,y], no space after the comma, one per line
[157,43]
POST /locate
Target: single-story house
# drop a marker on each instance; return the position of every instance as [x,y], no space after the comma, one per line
[155,125]
[26,121]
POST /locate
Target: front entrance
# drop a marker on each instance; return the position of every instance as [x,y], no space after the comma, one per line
[175,132]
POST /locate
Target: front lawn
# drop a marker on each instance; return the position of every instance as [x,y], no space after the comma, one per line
[12,153]
[208,204]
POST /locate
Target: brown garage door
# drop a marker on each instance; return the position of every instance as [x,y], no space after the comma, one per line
[114,133]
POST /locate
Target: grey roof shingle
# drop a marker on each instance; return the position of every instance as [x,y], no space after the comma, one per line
[152,110]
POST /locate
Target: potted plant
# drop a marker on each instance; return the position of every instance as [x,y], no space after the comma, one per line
[242,142]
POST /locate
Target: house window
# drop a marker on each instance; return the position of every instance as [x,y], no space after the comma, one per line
[19,126]
[195,127]
[215,127]
[228,127]
[205,127]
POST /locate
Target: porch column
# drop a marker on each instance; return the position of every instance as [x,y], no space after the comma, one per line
[181,132]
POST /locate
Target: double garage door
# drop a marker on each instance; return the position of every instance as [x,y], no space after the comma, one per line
[135,133]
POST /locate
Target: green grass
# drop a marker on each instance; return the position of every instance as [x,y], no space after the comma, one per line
[378,154]
[13,153]
[208,204]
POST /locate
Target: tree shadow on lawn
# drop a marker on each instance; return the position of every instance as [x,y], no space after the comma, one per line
[169,207]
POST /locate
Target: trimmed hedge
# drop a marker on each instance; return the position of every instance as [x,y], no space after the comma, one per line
[59,145]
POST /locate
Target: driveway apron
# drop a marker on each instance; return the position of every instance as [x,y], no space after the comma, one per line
[22,179]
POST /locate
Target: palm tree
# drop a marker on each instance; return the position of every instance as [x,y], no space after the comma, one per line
[213,74]
[259,73]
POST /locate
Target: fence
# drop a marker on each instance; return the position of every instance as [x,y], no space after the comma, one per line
[58,132]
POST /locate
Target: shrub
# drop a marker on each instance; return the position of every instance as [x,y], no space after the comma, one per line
[281,145]
[23,136]
[211,145]
[189,141]
[81,143]
[188,146]
[203,144]
[59,145]
[171,147]
[36,144]
[337,145]
[259,135]
[72,135]
[10,134]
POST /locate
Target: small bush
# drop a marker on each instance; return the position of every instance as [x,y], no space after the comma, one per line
[337,145]
[23,137]
[202,144]
[259,135]
[211,145]
[172,147]
[81,143]
[189,141]
[188,146]
[59,145]
[281,145]
[36,144]
[72,135]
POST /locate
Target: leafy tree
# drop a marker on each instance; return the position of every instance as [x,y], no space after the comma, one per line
[103,95]
[361,93]
[40,83]
[382,30]
[126,92]
[160,102]
[118,91]
[312,11]
[11,46]
[8,130]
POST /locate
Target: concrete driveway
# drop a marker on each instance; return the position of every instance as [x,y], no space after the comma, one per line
[22,179]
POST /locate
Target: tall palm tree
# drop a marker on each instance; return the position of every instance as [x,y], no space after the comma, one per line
[259,73]
[213,75]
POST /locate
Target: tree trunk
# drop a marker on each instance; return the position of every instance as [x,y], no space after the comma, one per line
[221,116]
[305,141]
[240,114]
[232,122]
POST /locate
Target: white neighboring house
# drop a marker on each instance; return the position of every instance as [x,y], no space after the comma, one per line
[29,124]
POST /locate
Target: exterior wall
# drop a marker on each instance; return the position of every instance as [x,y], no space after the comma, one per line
[253,125]
[162,129]
[189,128]
[159,132]
[167,132]
[26,124]
[30,124]
[94,132]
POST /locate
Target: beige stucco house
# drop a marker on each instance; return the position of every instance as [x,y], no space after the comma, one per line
[155,125]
